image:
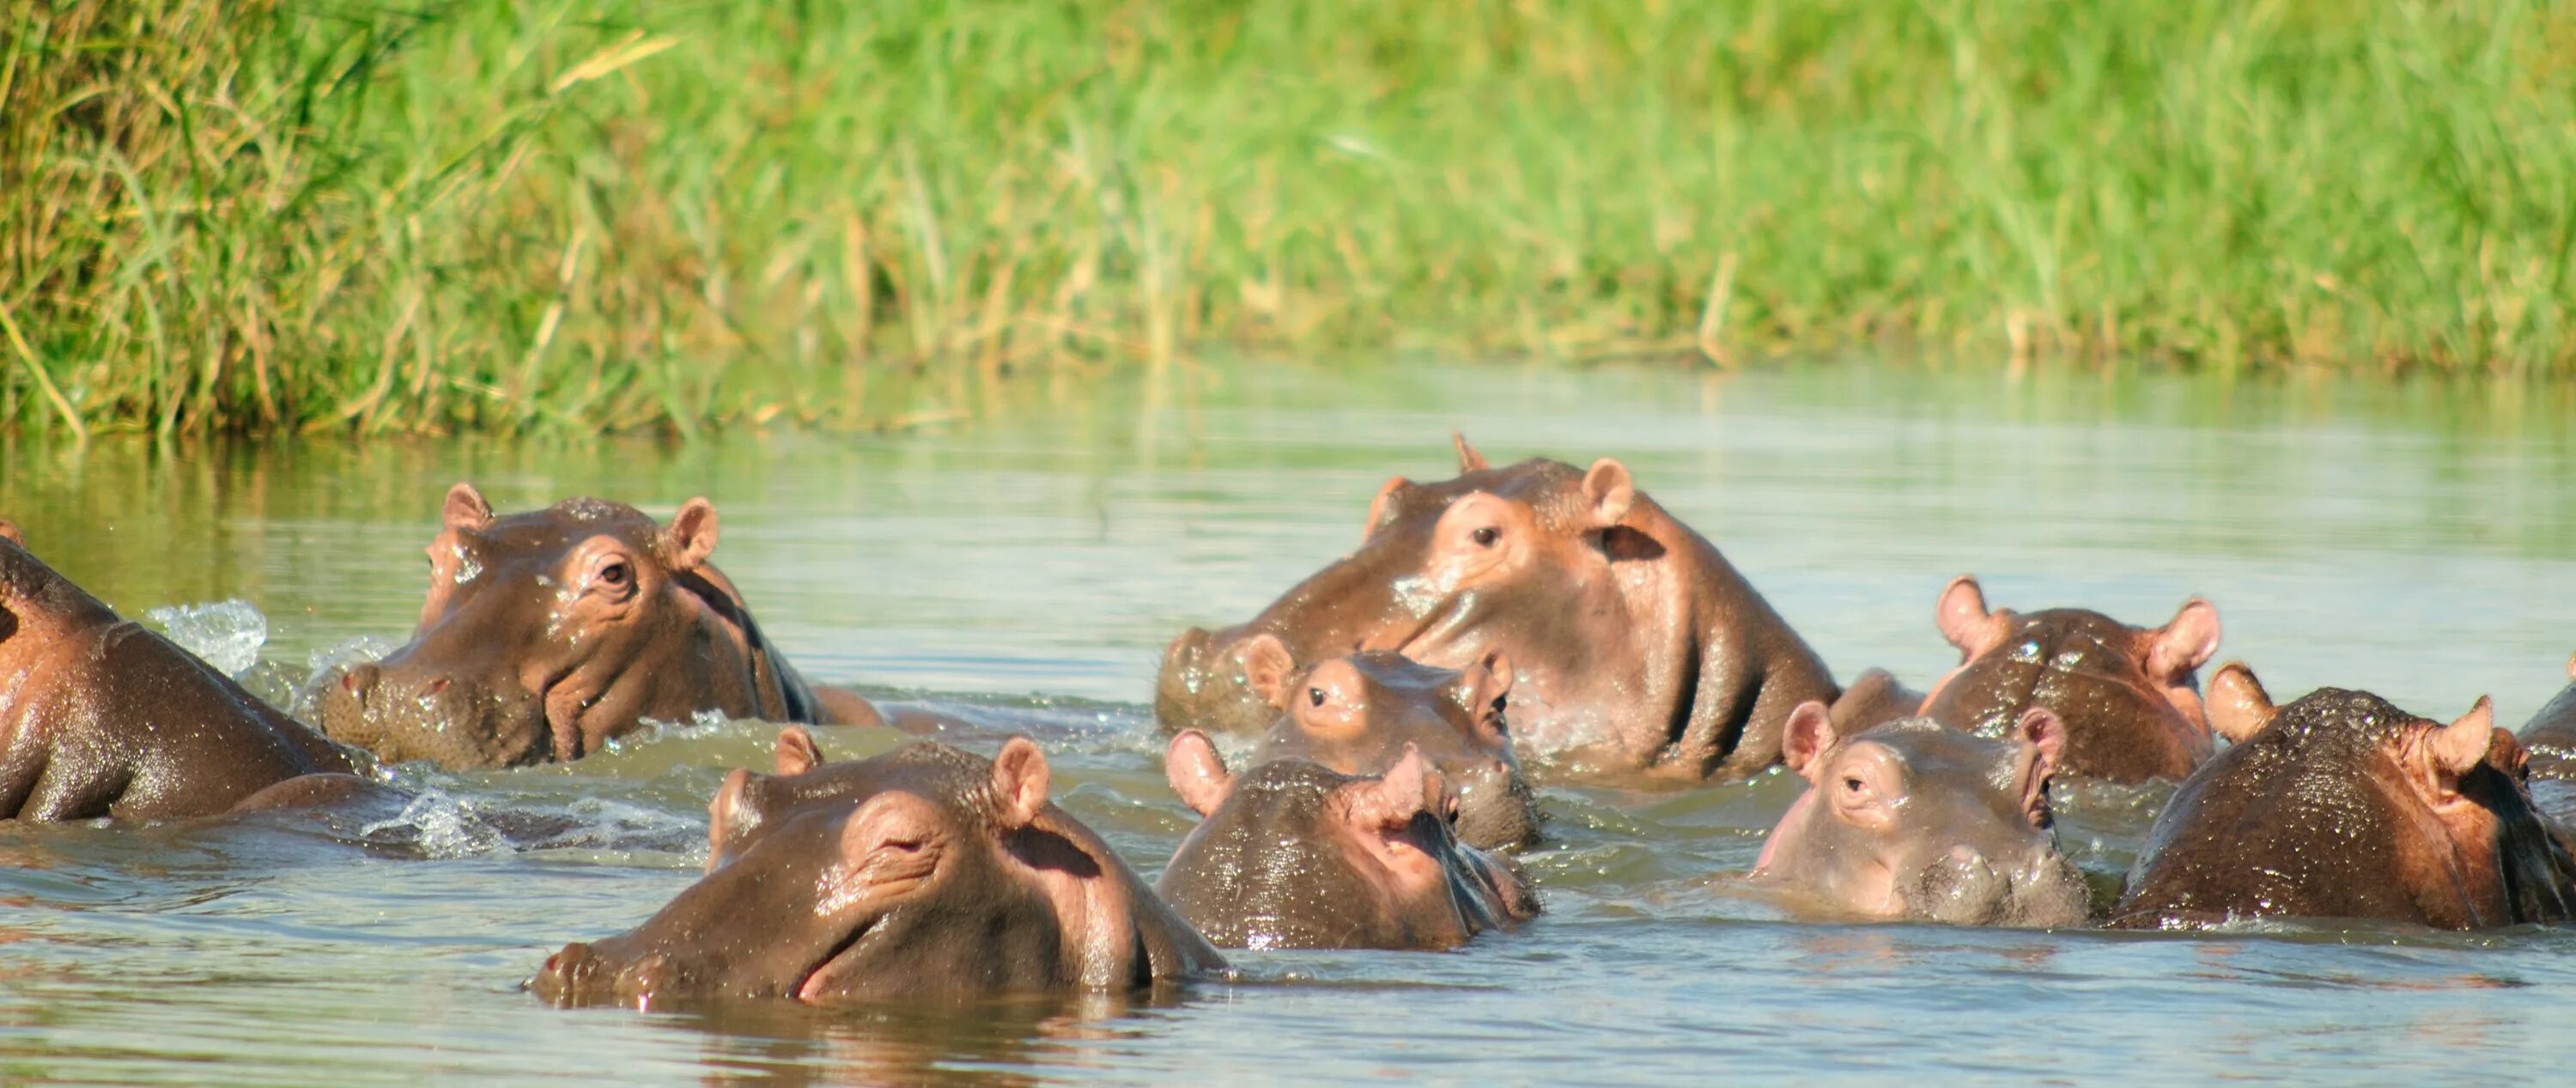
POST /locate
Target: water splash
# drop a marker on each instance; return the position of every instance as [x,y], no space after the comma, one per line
[439,825]
[228,634]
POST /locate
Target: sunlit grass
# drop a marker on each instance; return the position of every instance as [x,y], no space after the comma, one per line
[610,215]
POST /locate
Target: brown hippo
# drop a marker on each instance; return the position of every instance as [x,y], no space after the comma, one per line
[1913,819]
[2551,734]
[547,633]
[1293,854]
[1360,713]
[1636,644]
[105,718]
[2130,696]
[926,872]
[2342,806]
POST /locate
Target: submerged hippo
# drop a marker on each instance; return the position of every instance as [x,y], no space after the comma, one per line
[547,633]
[1635,642]
[1359,714]
[1913,819]
[1293,854]
[926,872]
[2551,734]
[2130,696]
[2342,806]
[105,718]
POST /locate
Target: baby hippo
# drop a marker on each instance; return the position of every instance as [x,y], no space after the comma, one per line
[923,873]
[101,717]
[2129,695]
[2342,806]
[1294,854]
[2551,735]
[1359,714]
[1911,819]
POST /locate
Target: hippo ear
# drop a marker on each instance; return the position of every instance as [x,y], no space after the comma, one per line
[1266,667]
[9,531]
[2571,662]
[724,811]
[466,508]
[1810,732]
[691,537]
[1964,618]
[1389,803]
[797,752]
[1019,782]
[2238,705]
[2459,747]
[2043,737]
[1196,772]
[1468,459]
[2186,643]
[1608,488]
[1378,512]
[1489,681]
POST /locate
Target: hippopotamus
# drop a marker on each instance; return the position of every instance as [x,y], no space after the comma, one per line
[547,633]
[1912,819]
[1637,645]
[1359,713]
[2340,805]
[2130,696]
[103,718]
[924,873]
[2550,736]
[1294,854]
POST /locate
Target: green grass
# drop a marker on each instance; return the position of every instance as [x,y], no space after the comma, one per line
[622,214]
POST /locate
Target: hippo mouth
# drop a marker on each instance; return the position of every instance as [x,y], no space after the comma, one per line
[803,990]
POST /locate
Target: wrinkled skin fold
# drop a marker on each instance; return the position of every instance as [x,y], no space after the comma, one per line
[105,718]
[1636,645]
[2130,696]
[2339,805]
[1913,820]
[1292,854]
[545,634]
[926,873]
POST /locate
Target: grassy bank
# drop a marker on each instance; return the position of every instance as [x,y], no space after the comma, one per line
[615,214]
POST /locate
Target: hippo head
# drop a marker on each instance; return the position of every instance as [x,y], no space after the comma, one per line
[1359,714]
[2130,696]
[2341,805]
[535,624]
[1912,819]
[926,872]
[1515,559]
[1293,854]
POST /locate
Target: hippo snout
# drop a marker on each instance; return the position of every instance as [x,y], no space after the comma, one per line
[360,680]
[1965,887]
[566,975]
[1496,810]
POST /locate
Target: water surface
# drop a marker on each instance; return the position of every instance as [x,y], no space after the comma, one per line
[2413,540]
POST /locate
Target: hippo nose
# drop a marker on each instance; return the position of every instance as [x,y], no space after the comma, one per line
[561,978]
[360,680]
[1963,888]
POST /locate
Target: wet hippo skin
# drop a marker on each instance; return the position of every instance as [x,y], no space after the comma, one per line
[1912,819]
[924,873]
[2550,736]
[547,633]
[1636,645]
[1293,854]
[106,718]
[2130,696]
[2339,805]
[1360,713]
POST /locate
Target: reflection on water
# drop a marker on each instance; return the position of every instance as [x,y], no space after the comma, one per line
[1024,573]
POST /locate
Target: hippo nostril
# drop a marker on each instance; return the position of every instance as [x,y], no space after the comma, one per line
[360,680]
[435,686]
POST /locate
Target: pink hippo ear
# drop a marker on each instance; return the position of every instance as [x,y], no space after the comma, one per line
[1964,618]
[1266,668]
[466,508]
[2571,662]
[724,811]
[2459,747]
[1468,459]
[1196,772]
[2238,705]
[2042,736]
[10,532]
[1377,506]
[1609,490]
[691,537]
[797,752]
[2185,644]
[1389,802]
[1019,782]
[1810,732]
[1487,687]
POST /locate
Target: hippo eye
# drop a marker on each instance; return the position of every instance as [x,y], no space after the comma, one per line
[1486,536]
[1315,696]
[1851,785]
[615,574]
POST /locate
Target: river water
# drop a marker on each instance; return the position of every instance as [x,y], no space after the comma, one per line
[2412,540]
